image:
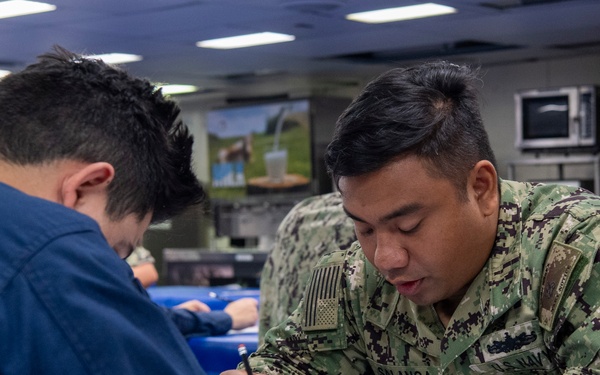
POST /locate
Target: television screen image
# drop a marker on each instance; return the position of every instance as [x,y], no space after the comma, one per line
[261,148]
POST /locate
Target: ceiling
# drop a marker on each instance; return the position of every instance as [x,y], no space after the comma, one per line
[329,51]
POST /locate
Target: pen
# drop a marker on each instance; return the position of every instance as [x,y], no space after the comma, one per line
[244,354]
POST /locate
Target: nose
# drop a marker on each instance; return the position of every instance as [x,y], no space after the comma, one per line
[389,254]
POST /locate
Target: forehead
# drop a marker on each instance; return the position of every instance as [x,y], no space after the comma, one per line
[406,181]
[402,171]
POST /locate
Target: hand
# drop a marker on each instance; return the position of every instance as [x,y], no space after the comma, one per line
[243,312]
[193,305]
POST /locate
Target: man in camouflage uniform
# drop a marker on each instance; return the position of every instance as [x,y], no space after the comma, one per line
[314,227]
[455,271]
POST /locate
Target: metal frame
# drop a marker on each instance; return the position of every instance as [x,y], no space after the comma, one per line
[560,162]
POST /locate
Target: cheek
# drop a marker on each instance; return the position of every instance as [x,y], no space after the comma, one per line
[445,246]
[431,248]
[122,236]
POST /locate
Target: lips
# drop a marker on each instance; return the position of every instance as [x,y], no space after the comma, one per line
[409,288]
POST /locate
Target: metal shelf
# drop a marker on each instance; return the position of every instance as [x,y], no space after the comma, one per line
[560,162]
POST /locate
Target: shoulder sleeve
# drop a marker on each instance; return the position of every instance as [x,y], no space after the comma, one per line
[110,325]
[570,295]
[314,227]
[322,298]
[321,335]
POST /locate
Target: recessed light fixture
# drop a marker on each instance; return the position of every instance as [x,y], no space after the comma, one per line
[401,13]
[116,58]
[247,40]
[15,8]
[4,73]
[177,89]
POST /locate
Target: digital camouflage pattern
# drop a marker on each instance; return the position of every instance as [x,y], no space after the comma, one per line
[140,255]
[533,308]
[314,227]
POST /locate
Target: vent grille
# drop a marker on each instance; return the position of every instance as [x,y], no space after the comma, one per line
[508,4]
[447,49]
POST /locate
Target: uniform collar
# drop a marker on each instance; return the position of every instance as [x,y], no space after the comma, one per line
[496,289]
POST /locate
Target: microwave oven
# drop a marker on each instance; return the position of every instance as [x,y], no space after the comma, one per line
[562,119]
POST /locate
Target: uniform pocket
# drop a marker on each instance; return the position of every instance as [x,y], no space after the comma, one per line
[517,349]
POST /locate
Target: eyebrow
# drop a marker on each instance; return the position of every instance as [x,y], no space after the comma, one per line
[402,211]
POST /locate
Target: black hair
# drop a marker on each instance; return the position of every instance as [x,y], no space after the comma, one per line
[67,107]
[430,111]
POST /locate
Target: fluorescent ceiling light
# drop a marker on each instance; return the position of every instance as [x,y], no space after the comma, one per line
[401,13]
[116,58]
[248,40]
[17,8]
[4,73]
[177,89]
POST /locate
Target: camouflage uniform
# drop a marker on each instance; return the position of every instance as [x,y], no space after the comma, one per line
[533,308]
[314,227]
[140,255]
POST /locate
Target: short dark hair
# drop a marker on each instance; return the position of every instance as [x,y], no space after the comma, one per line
[430,111]
[67,107]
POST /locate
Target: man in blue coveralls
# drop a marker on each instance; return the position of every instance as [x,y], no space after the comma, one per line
[89,157]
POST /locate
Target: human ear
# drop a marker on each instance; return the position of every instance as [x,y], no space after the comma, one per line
[483,182]
[88,182]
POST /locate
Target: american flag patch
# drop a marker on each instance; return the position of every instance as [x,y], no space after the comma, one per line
[321,299]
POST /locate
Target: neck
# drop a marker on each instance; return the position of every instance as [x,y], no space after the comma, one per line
[444,311]
[446,308]
[37,180]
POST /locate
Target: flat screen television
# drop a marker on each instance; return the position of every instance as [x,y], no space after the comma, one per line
[260,149]
[560,119]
